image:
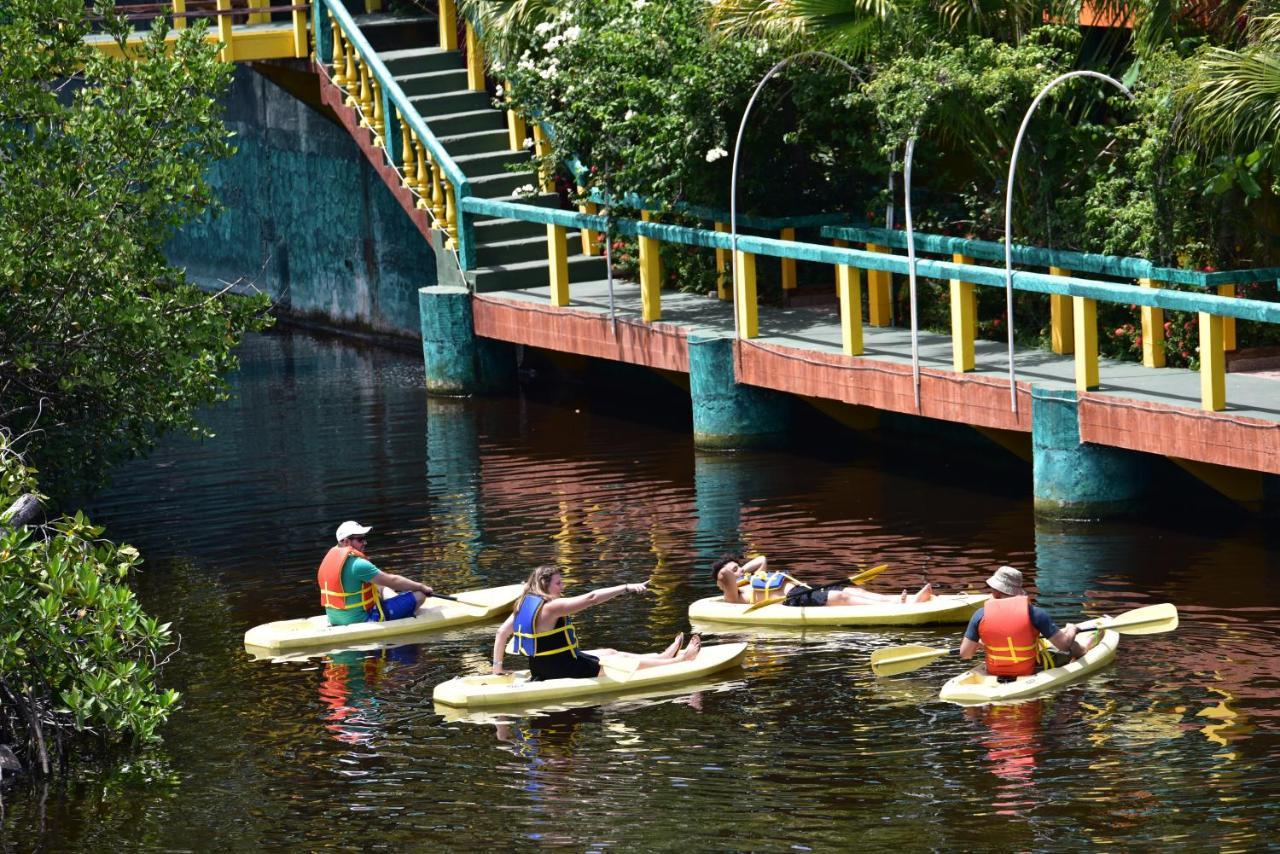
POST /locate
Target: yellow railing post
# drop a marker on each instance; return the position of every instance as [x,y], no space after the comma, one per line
[650,276]
[424,186]
[451,215]
[339,57]
[1061,315]
[879,284]
[366,95]
[840,244]
[379,121]
[1086,343]
[353,76]
[301,30]
[590,245]
[849,291]
[744,296]
[517,130]
[179,7]
[259,17]
[438,206]
[224,30]
[541,150]
[962,320]
[1213,363]
[558,255]
[788,264]
[448,21]
[1228,323]
[408,155]
[723,289]
[372,6]
[475,60]
[1152,332]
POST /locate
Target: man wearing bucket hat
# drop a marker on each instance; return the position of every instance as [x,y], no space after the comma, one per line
[349,583]
[1009,627]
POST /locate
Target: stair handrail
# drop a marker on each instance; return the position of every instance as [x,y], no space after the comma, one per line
[395,95]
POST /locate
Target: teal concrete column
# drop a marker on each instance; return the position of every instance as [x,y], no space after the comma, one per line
[457,361]
[727,415]
[1076,480]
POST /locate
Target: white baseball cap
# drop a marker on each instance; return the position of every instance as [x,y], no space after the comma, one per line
[351,529]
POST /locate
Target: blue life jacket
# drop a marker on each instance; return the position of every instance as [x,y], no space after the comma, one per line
[525,640]
[769,581]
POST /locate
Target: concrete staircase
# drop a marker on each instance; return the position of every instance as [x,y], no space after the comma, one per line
[510,254]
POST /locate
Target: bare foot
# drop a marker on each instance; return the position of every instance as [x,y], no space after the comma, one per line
[691,651]
[673,648]
[925,594]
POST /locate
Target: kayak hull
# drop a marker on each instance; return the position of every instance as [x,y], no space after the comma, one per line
[943,608]
[977,687]
[516,689]
[311,632]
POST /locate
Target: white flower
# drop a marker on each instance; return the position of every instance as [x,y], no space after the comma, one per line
[528,142]
[544,28]
[631,114]
[497,91]
[715,154]
[525,191]
[572,33]
[639,4]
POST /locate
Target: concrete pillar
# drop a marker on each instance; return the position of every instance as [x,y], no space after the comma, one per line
[457,361]
[1076,480]
[726,415]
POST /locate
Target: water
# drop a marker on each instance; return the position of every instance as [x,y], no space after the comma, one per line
[800,749]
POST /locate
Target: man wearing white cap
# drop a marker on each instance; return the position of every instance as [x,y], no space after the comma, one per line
[349,583]
[1009,627]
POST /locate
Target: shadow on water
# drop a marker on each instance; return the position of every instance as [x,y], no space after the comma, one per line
[1173,744]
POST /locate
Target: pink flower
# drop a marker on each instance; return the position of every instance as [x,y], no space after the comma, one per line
[1119,331]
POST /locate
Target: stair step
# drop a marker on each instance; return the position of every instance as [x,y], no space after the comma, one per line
[444,103]
[433,82]
[533,274]
[489,162]
[503,184]
[481,142]
[420,60]
[471,121]
[524,249]
[386,31]
[505,230]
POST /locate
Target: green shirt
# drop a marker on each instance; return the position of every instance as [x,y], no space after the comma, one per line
[355,571]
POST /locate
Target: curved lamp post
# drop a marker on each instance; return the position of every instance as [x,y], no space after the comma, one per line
[1008,210]
[733,177]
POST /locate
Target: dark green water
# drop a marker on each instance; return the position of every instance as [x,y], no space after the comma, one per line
[1173,746]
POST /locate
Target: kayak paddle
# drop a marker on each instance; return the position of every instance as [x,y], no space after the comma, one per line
[456,599]
[868,574]
[772,600]
[1149,620]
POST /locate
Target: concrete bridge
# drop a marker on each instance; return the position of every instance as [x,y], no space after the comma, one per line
[517,268]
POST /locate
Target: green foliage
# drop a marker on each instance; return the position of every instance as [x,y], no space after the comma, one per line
[78,656]
[104,345]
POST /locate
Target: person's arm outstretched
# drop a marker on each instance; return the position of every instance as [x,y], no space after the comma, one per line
[558,608]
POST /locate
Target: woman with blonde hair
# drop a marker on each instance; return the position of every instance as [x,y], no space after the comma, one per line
[541,627]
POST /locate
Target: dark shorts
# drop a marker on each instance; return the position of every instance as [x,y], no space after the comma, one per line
[397,607]
[806,598]
[582,666]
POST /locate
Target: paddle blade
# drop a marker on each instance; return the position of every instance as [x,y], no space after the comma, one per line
[755,606]
[1150,620]
[868,574]
[893,660]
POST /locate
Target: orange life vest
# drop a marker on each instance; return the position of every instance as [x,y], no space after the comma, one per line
[1010,638]
[332,593]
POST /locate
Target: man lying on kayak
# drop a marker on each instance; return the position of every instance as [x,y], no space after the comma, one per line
[729,575]
[1009,627]
[350,585]
[541,627]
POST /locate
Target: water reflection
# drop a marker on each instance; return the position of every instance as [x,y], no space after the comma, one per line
[349,691]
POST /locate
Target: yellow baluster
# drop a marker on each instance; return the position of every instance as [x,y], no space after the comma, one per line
[301,34]
[879,286]
[475,60]
[353,76]
[590,245]
[1086,329]
[849,290]
[224,30]
[517,130]
[1228,323]
[650,276]
[1213,363]
[542,150]
[1152,332]
[1061,318]
[788,264]
[448,21]
[408,154]
[372,6]
[437,192]
[744,300]
[558,255]
[723,289]
[379,122]
[962,320]
[179,7]
[451,216]
[339,57]
[366,95]
[259,17]
[423,187]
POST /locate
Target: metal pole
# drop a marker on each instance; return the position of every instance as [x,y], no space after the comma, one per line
[1008,210]
[911,269]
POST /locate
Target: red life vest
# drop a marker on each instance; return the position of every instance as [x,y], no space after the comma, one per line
[1010,638]
[332,593]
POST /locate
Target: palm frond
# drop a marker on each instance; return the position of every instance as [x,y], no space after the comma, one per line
[846,27]
[1234,99]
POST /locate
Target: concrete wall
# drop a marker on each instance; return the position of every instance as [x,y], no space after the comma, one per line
[306,219]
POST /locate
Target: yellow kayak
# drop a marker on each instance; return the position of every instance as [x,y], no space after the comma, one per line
[516,689]
[942,608]
[308,632]
[977,687]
